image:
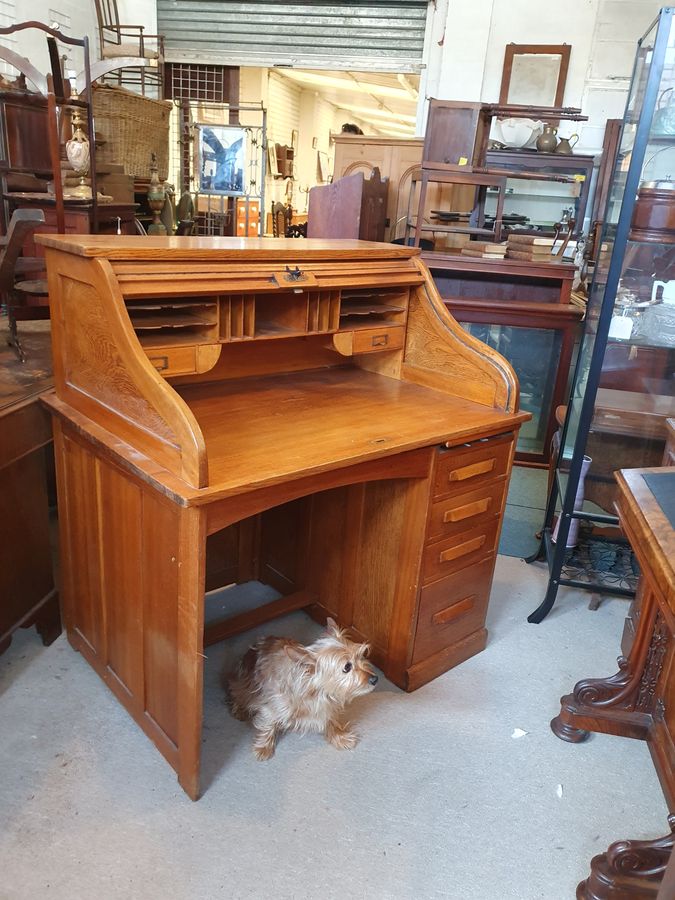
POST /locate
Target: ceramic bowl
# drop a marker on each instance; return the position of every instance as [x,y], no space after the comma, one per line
[517,133]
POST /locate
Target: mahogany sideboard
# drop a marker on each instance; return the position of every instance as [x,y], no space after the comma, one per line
[639,701]
[307,409]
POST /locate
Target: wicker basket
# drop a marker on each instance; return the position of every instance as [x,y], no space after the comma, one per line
[133,127]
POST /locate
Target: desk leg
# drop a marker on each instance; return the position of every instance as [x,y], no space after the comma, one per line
[133,597]
[190,642]
[621,704]
[630,869]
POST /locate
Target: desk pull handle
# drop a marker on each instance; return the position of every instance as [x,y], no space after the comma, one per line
[468,511]
[379,340]
[159,362]
[462,549]
[443,616]
[479,468]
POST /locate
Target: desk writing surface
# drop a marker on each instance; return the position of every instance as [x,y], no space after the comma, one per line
[262,430]
[215,249]
[654,536]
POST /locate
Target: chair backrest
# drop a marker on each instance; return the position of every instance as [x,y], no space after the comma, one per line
[281,219]
[21,225]
[107,14]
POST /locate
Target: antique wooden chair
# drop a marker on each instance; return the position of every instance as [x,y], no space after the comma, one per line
[143,53]
[281,219]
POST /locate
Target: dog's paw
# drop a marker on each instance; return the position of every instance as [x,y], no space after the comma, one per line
[239,712]
[263,753]
[343,740]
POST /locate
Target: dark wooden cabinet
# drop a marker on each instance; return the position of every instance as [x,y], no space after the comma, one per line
[351,207]
[522,310]
[28,592]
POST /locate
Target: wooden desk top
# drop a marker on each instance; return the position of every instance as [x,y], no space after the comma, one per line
[260,431]
[140,247]
[224,430]
[555,270]
[648,529]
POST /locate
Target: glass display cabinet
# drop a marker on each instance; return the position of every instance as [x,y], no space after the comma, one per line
[623,387]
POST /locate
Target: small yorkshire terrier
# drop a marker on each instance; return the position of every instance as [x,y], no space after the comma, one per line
[281,685]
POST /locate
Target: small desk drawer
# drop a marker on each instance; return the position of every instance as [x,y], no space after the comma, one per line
[454,553]
[469,466]
[452,609]
[173,360]
[369,340]
[459,512]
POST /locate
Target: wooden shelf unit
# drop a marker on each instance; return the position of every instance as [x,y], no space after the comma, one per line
[360,471]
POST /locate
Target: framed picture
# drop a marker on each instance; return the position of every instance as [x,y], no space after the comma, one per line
[272,161]
[323,166]
[221,159]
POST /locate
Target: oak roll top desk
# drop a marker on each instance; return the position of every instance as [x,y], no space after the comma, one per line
[309,412]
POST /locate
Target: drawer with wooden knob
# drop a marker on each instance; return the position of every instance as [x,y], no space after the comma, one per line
[464,468]
[444,557]
[451,609]
[459,512]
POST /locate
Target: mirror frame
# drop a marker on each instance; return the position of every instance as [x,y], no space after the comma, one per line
[511,50]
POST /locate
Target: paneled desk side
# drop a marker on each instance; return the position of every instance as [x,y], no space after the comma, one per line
[307,410]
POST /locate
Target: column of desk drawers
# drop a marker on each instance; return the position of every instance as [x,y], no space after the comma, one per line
[461,542]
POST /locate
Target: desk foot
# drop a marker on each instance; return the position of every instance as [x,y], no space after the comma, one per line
[622,704]
[629,869]
[567,732]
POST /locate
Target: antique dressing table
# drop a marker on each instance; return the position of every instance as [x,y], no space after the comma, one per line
[307,410]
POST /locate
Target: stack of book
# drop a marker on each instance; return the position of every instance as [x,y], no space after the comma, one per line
[484,250]
[530,247]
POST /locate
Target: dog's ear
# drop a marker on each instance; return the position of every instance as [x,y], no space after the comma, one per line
[301,656]
[332,627]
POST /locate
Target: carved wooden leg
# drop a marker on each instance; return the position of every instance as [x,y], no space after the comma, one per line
[623,703]
[629,870]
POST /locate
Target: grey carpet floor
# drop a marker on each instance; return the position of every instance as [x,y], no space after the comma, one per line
[439,800]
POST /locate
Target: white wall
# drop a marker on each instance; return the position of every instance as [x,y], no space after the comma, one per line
[465,58]
[75,18]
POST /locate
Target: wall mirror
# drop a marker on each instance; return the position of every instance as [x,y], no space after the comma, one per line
[535,74]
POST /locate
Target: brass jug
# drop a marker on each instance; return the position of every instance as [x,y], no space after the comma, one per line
[564,145]
[547,140]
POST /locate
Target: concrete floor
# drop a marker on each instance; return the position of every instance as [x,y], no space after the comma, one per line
[438,801]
